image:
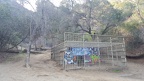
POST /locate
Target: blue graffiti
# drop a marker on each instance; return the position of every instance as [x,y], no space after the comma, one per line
[71,52]
[84,51]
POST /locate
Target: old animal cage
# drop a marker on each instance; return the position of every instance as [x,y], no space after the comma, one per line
[79,50]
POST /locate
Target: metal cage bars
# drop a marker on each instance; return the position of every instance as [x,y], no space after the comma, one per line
[115,48]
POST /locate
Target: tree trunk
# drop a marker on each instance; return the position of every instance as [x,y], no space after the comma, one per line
[35,46]
[29,46]
[28,55]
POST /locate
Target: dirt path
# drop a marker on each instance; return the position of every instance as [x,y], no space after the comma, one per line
[43,69]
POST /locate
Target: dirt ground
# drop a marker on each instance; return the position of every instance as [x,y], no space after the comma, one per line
[44,69]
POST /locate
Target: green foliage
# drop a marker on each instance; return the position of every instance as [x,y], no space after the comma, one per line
[13,24]
[132,27]
[134,43]
[4,12]
[87,37]
[135,40]
[100,13]
[65,9]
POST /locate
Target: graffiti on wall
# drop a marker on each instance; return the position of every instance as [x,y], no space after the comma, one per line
[87,54]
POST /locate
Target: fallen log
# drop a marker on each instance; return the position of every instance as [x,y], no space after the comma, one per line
[139,56]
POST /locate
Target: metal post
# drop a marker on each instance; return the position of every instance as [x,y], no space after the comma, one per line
[116,50]
[107,53]
[64,64]
[83,48]
[98,51]
[64,37]
[123,46]
[112,52]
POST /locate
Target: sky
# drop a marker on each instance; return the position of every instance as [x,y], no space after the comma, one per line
[55,2]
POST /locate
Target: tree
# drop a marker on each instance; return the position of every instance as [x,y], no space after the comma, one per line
[12,20]
[31,34]
[140,9]
[94,14]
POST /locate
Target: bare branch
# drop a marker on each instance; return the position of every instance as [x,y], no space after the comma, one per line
[78,25]
[18,43]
